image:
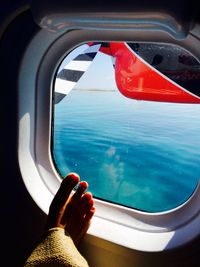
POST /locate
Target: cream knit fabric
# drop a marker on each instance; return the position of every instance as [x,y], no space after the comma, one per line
[56,250]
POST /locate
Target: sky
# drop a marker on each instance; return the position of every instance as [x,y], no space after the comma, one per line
[99,75]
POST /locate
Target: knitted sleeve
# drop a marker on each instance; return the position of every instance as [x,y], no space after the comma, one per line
[56,250]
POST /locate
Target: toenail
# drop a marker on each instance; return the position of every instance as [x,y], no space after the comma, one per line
[74,176]
[83,185]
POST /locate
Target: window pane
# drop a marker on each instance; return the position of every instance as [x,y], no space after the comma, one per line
[140,154]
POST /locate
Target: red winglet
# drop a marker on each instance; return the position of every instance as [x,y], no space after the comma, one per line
[138,80]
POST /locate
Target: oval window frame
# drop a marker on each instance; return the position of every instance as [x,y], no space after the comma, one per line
[127,227]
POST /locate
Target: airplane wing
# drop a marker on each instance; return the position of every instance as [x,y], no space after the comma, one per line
[141,71]
[154,81]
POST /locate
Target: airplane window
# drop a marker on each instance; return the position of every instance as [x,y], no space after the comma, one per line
[126,118]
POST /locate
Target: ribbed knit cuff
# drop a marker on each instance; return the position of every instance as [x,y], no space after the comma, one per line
[56,249]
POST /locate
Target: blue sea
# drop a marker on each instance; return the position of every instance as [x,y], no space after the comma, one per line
[144,155]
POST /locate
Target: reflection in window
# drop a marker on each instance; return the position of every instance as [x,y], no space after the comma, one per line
[140,154]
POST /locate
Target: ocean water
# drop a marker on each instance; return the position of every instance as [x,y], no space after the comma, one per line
[144,155]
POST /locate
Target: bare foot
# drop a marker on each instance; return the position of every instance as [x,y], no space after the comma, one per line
[73,213]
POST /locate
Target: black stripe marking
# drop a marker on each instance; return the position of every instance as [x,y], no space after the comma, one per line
[70,75]
[86,57]
[58,97]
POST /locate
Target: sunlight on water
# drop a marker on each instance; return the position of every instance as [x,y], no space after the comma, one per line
[143,155]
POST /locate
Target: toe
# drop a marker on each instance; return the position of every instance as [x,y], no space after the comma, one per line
[87,203]
[65,190]
[80,190]
[62,196]
[90,214]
